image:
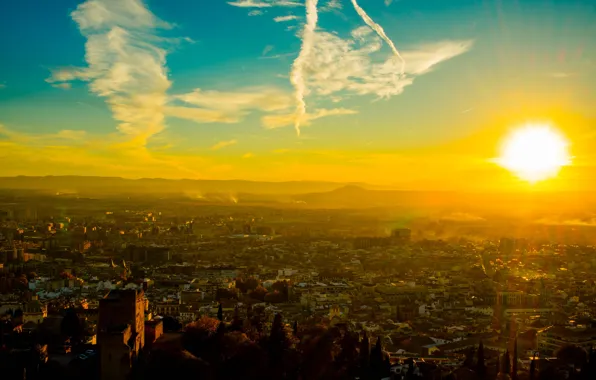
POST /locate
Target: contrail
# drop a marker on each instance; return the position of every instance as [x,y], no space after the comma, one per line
[297,74]
[379,30]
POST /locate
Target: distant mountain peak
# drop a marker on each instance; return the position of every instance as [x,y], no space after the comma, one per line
[350,189]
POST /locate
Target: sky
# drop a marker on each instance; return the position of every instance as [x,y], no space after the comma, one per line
[412,94]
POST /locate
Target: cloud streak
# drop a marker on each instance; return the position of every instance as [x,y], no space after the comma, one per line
[227,107]
[278,121]
[223,144]
[339,67]
[285,18]
[379,30]
[264,3]
[297,74]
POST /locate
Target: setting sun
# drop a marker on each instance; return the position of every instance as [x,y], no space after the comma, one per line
[534,153]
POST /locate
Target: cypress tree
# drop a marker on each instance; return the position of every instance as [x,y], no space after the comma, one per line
[480,366]
[376,360]
[220,313]
[364,353]
[514,364]
[506,363]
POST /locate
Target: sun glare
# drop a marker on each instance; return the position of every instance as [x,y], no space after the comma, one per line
[534,153]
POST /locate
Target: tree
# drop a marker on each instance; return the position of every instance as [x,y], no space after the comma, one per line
[469,361]
[573,355]
[514,364]
[225,294]
[278,337]
[348,356]
[376,360]
[276,345]
[506,363]
[275,297]
[21,282]
[480,366]
[259,293]
[72,327]
[364,353]
[66,275]
[236,320]
[198,336]
[282,287]
[220,313]
[171,324]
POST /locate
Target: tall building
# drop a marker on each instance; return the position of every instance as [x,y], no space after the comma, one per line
[120,332]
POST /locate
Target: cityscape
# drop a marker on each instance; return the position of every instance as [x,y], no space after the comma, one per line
[298,190]
[168,285]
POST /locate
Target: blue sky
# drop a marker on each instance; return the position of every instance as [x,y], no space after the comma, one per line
[285,89]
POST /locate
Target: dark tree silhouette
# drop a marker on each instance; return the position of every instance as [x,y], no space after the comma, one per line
[171,324]
[237,322]
[469,361]
[259,293]
[347,359]
[506,363]
[573,355]
[364,355]
[220,313]
[275,297]
[72,327]
[480,366]
[514,363]
[376,360]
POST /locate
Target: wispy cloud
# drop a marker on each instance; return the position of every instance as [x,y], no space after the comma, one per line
[64,86]
[359,74]
[223,144]
[126,64]
[339,66]
[278,56]
[2,85]
[66,135]
[264,3]
[228,107]
[70,134]
[332,5]
[284,120]
[267,49]
[334,67]
[256,12]
[297,74]
[388,2]
[560,75]
[286,18]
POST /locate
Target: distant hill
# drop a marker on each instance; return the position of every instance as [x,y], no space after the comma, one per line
[302,194]
[95,186]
